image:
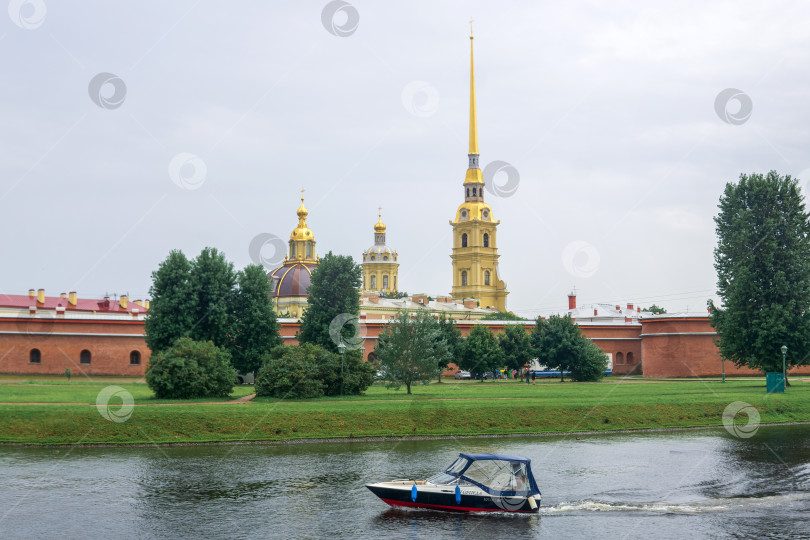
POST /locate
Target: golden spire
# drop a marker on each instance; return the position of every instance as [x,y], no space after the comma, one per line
[473,175]
[302,212]
[473,123]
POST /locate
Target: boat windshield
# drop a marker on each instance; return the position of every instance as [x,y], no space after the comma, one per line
[458,465]
[444,479]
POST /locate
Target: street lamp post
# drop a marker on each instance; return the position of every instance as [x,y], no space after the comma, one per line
[784,372]
[341,350]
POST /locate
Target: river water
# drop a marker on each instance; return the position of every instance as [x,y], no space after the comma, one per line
[658,485]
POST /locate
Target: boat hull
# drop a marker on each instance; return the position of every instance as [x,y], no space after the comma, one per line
[440,498]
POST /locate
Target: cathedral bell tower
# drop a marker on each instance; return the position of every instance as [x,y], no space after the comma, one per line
[475,246]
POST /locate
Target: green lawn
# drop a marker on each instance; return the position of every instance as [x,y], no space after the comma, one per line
[86,391]
[450,408]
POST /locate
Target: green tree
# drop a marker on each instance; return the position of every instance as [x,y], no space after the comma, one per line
[558,343]
[449,332]
[516,346]
[332,293]
[655,309]
[762,260]
[190,369]
[394,294]
[503,316]
[411,350]
[255,330]
[480,351]
[170,314]
[212,281]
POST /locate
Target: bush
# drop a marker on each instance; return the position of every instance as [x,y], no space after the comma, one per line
[357,374]
[310,371]
[591,364]
[191,369]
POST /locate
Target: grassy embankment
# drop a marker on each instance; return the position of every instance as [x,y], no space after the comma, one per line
[468,408]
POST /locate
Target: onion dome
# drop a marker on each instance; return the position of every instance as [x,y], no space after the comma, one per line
[302,232]
[380,226]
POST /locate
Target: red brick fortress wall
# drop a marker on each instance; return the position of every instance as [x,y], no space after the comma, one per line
[61,341]
[684,347]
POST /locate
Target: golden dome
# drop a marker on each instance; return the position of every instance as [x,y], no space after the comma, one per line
[302,210]
[380,226]
[302,232]
[474,210]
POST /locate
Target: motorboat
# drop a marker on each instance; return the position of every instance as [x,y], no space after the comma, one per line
[473,483]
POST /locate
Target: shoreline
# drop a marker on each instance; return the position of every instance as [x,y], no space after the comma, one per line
[386,439]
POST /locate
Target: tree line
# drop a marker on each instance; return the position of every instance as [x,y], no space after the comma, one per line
[417,347]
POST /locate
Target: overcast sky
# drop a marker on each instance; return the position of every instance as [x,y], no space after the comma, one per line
[214,115]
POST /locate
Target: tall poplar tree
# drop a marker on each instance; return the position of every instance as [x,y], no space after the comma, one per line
[255,328]
[762,260]
[332,292]
[212,285]
[170,314]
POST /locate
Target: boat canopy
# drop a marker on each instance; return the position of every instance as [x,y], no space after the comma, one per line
[502,476]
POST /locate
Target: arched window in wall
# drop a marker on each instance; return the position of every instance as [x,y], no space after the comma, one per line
[629,358]
[468,192]
[486,239]
[35,357]
[486,277]
[373,282]
[292,250]
[385,282]
[474,195]
[134,358]
[84,357]
[464,240]
[309,250]
[619,358]
[463,277]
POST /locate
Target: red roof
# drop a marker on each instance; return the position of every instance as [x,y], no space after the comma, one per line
[23,301]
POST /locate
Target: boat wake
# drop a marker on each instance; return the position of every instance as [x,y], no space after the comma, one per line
[697,507]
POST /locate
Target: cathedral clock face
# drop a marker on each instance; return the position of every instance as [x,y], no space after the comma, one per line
[463,214]
[485,214]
